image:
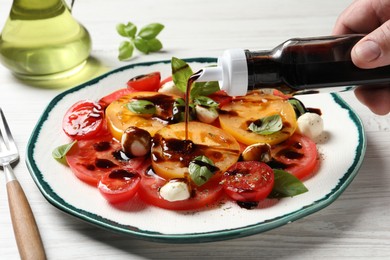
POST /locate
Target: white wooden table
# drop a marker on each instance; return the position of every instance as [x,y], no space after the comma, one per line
[355,226]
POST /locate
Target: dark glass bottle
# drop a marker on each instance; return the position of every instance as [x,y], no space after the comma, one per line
[297,65]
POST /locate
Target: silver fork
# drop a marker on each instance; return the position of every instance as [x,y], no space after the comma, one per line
[26,231]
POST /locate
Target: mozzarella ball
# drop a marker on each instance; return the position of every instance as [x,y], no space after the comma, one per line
[136,141]
[310,125]
[170,88]
[206,115]
[175,190]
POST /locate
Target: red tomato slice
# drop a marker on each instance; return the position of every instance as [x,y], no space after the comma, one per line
[249,181]
[91,159]
[297,155]
[83,120]
[148,82]
[119,185]
[205,195]
[106,100]
[281,94]
[221,97]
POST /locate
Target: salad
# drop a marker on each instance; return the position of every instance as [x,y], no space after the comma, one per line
[135,142]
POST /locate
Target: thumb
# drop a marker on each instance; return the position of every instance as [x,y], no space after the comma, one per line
[374,49]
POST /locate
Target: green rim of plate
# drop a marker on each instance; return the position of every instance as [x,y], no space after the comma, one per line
[105,223]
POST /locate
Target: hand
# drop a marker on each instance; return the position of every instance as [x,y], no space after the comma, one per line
[371,17]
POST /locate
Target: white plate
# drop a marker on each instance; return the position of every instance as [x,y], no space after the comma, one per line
[341,151]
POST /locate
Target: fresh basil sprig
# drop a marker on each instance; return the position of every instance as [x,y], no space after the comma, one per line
[267,125]
[145,41]
[286,185]
[204,89]
[298,106]
[205,102]
[179,110]
[59,152]
[140,106]
[201,169]
[181,72]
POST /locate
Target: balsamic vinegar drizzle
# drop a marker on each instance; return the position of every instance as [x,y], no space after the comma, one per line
[184,151]
[190,81]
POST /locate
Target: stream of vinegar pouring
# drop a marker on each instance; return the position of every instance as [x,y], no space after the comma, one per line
[190,81]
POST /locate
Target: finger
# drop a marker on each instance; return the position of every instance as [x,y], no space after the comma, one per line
[360,17]
[374,49]
[377,99]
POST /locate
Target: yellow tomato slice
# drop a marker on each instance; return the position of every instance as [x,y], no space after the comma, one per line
[119,117]
[236,116]
[171,154]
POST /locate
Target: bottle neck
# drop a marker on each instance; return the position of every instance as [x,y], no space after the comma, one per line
[264,70]
[36,9]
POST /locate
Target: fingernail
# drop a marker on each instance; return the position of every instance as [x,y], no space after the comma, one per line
[368,50]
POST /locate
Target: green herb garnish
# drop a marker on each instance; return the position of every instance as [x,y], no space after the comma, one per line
[286,185]
[59,152]
[141,107]
[201,169]
[298,106]
[179,110]
[145,41]
[204,89]
[267,125]
[181,72]
[205,102]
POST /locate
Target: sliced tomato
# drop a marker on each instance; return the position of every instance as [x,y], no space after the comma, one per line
[91,159]
[106,100]
[83,120]
[236,116]
[297,155]
[221,97]
[249,181]
[119,185]
[148,82]
[281,94]
[203,196]
[119,117]
[171,155]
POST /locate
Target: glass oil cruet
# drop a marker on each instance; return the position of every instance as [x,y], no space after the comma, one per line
[41,40]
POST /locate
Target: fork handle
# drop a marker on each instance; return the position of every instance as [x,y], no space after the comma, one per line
[26,230]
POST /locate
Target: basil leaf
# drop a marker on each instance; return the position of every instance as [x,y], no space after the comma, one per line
[147,46]
[150,31]
[154,45]
[120,28]
[60,152]
[205,102]
[141,107]
[267,125]
[179,102]
[201,169]
[141,45]
[298,106]
[204,88]
[125,50]
[286,185]
[145,41]
[128,30]
[179,110]
[181,72]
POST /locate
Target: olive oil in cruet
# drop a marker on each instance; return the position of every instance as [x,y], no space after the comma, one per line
[41,40]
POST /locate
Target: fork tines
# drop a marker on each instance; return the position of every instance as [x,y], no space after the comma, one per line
[6,140]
